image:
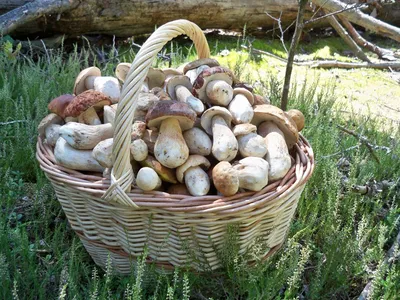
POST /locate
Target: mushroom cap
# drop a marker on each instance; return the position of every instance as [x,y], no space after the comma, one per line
[48,120]
[267,112]
[252,173]
[122,70]
[243,85]
[202,61]
[258,99]
[147,179]
[160,93]
[156,77]
[207,75]
[86,100]
[165,173]
[58,105]
[225,179]
[192,161]
[171,109]
[206,118]
[243,129]
[244,92]
[80,86]
[171,72]
[178,189]
[298,117]
[173,82]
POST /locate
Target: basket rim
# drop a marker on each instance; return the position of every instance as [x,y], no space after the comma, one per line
[97,185]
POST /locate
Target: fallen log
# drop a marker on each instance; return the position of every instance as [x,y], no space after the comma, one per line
[350,65]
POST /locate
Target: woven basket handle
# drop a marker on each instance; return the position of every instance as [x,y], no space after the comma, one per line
[122,175]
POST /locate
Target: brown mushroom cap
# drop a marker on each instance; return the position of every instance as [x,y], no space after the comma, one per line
[298,117]
[171,109]
[266,112]
[258,99]
[122,70]
[243,85]
[173,82]
[225,179]
[171,72]
[58,105]
[165,173]
[199,62]
[156,77]
[211,74]
[206,118]
[80,86]
[192,161]
[245,93]
[86,100]
[243,129]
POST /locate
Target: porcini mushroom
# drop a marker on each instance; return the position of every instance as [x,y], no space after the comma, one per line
[50,119]
[225,179]
[165,173]
[196,179]
[147,179]
[109,113]
[102,152]
[216,121]
[214,85]
[252,173]
[171,117]
[58,105]
[298,117]
[250,143]
[179,88]
[139,150]
[81,160]
[197,141]
[122,70]
[241,106]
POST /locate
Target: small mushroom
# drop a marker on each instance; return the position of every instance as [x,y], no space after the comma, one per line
[250,143]
[214,85]
[179,88]
[252,173]
[138,130]
[109,113]
[139,150]
[150,137]
[171,117]
[84,137]
[225,179]
[165,173]
[298,117]
[154,78]
[84,107]
[160,93]
[91,78]
[241,106]
[216,121]
[58,105]
[81,160]
[102,152]
[147,179]
[144,102]
[169,73]
[197,141]
[277,151]
[121,71]
[196,179]
[194,68]
[51,119]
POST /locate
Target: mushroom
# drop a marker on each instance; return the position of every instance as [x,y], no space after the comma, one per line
[196,179]
[258,99]
[178,189]
[194,68]
[81,160]
[252,173]
[109,113]
[102,152]
[122,70]
[277,151]
[59,104]
[169,73]
[51,119]
[179,88]
[250,143]
[160,93]
[266,112]
[214,85]
[144,102]
[154,78]
[84,137]
[197,141]
[147,179]
[171,117]
[91,78]
[225,179]
[241,106]
[138,130]
[165,173]
[150,137]
[298,117]
[216,121]
[84,107]
[139,150]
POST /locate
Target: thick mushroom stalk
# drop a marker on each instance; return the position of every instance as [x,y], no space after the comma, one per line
[225,145]
[250,143]
[107,85]
[241,106]
[84,137]
[89,117]
[139,150]
[147,179]
[103,153]
[252,173]
[277,151]
[196,179]
[81,160]
[198,141]
[184,95]
[219,92]
[52,133]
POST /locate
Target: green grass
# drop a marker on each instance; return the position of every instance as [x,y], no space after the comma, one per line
[336,244]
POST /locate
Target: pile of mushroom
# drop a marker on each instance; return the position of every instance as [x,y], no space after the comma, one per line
[196,130]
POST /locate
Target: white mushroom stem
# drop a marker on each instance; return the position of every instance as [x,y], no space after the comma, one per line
[81,160]
[108,86]
[70,119]
[52,133]
[197,141]
[103,153]
[139,150]
[184,95]
[241,110]
[252,144]
[109,113]
[84,137]
[225,145]
[277,151]
[147,179]
[89,117]
[219,92]
[197,181]
[170,148]
[252,173]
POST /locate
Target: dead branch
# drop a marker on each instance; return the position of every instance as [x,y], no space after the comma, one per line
[350,65]
[258,51]
[372,187]
[348,7]
[281,37]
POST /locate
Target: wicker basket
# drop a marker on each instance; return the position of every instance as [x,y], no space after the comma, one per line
[113,221]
